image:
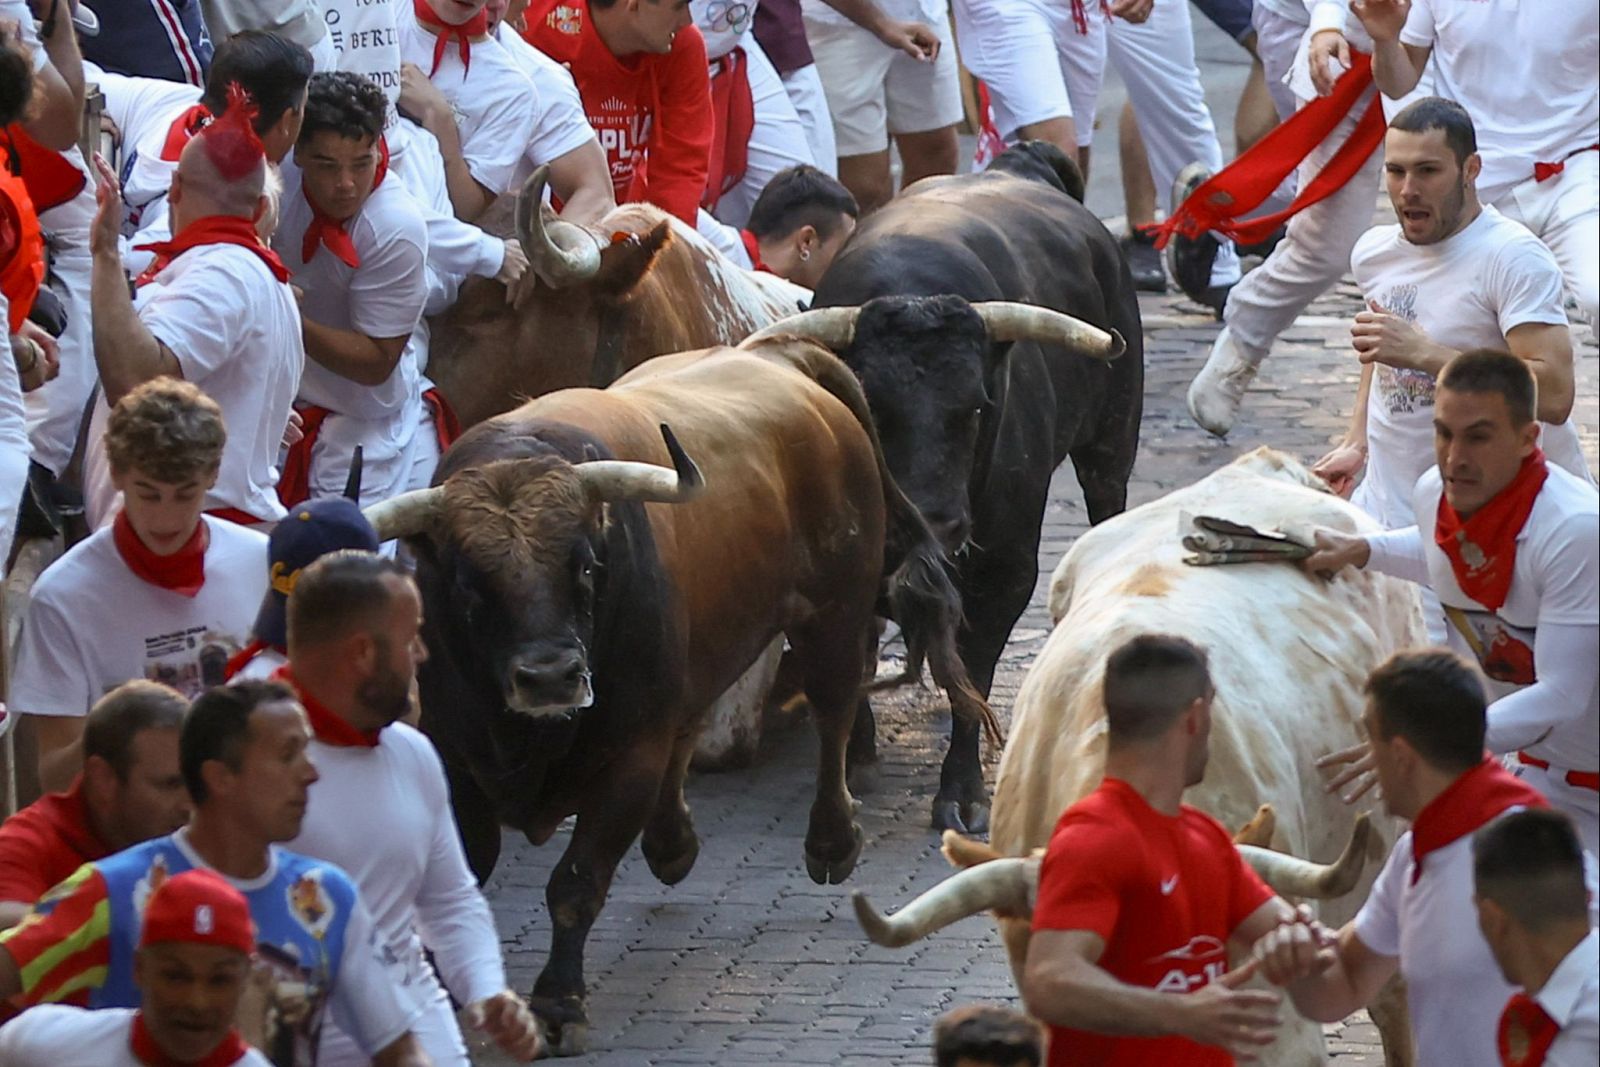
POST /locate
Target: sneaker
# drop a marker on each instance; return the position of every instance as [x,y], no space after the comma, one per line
[1216,392]
[1263,248]
[1190,259]
[1144,262]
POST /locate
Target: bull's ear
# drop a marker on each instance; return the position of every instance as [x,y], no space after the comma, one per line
[627,259]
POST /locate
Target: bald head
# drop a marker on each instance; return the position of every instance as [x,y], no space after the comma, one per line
[199,188]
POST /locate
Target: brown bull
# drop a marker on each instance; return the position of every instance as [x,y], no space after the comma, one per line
[578,636]
[634,285]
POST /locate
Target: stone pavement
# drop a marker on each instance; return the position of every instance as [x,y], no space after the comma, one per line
[749,963]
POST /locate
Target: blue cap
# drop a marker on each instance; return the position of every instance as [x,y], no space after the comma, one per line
[310,531]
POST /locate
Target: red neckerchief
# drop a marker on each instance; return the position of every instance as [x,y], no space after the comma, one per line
[240,659]
[183,572]
[333,232]
[326,724]
[1483,548]
[147,1052]
[1466,804]
[752,248]
[1543,172]
[1526,1032]
[211,230]
[476,26]
[182,131]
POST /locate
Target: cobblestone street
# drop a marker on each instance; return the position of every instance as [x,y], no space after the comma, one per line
[747,962]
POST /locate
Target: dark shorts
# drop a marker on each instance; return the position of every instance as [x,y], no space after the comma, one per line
[1232,17]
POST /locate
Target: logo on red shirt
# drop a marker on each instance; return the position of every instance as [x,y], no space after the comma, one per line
[565,19]
[1203,960]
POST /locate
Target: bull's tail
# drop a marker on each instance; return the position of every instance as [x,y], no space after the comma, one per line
[922,598]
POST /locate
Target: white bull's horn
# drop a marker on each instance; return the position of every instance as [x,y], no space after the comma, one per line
[1007,320]
[559,252]
[1005,885]
[610,479]
[1291,876]
[405,515]
[832,328]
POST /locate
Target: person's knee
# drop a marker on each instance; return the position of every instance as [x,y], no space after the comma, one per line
[867,177]
[929,152]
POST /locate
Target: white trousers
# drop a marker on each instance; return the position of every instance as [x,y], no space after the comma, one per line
[1156,61]
[777,142]
[55,411]
[1314,253]
[1035,62]
[13,443]
[804,87]
[1565,212]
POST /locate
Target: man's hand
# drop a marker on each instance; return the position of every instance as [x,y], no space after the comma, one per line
[1335,551]
[421,100]
[505,1017]
[915,39]
[45,363]
[1132,10]
[1360,770]
[512,269]
[295,431]
[1227,1017]
[1296,949]
[1328,47]
[1340,466]
[1380,336]
[1383,19]
[108,210]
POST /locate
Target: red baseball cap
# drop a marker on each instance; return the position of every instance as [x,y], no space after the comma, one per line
[198,907]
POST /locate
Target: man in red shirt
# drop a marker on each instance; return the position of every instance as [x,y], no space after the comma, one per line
[1140,896]
[640,66]
[130,790]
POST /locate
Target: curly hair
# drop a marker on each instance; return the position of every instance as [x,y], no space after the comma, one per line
[168,430]
[350,105]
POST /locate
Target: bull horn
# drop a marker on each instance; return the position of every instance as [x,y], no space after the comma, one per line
[1007,320]
[1291,876]
[1004,885]
[407,514]
[560,252]
[609,479]
[832,328]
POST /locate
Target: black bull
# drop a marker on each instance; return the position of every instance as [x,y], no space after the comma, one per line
[973,428]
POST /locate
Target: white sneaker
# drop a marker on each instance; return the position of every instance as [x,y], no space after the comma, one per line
[1216,391]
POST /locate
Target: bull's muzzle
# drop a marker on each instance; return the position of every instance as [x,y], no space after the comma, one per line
[549,683]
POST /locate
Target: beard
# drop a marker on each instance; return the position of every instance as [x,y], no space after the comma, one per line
[386,696]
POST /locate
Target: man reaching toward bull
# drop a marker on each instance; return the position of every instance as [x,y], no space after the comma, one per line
[1511,546]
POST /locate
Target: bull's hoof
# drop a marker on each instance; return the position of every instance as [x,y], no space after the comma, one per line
[862,779]
[670,870]
[962,816]
[565,1022]
[824,871]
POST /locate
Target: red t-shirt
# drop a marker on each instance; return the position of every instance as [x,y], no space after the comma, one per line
[646,109]
[41,845]
[1164,893]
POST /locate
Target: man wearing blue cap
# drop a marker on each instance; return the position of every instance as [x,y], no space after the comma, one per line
[309,532]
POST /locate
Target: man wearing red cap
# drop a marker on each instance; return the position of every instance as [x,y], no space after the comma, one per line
[382,807]
[357,246]
[215,309]
[641,68]
[192,968]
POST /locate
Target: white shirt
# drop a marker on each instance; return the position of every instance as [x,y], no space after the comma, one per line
[364,34]
[144,110]
[1525,72]
[1454,988]
[382,297]
[1571,996]
[58,1035]
[559,125]
[383,814]
[92,625]
[1467,291]
[493,102]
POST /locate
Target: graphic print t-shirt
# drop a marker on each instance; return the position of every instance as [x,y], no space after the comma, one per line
[92,624]
[1163,892]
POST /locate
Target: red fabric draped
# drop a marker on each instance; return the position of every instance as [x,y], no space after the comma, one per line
[183,129]
[476,26]
[733,119]
[183,572]
[1482,548]
[326,724]
[1467,803]
[211,230]
[334,233]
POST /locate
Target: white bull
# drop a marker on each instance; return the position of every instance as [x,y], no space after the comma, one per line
[1288,656]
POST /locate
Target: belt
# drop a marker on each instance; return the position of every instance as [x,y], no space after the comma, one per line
[1546,171]
[1581,779]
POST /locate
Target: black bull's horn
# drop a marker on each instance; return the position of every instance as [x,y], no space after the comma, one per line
[1005,320]
[415,512]
[1011,885]
[561,253]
